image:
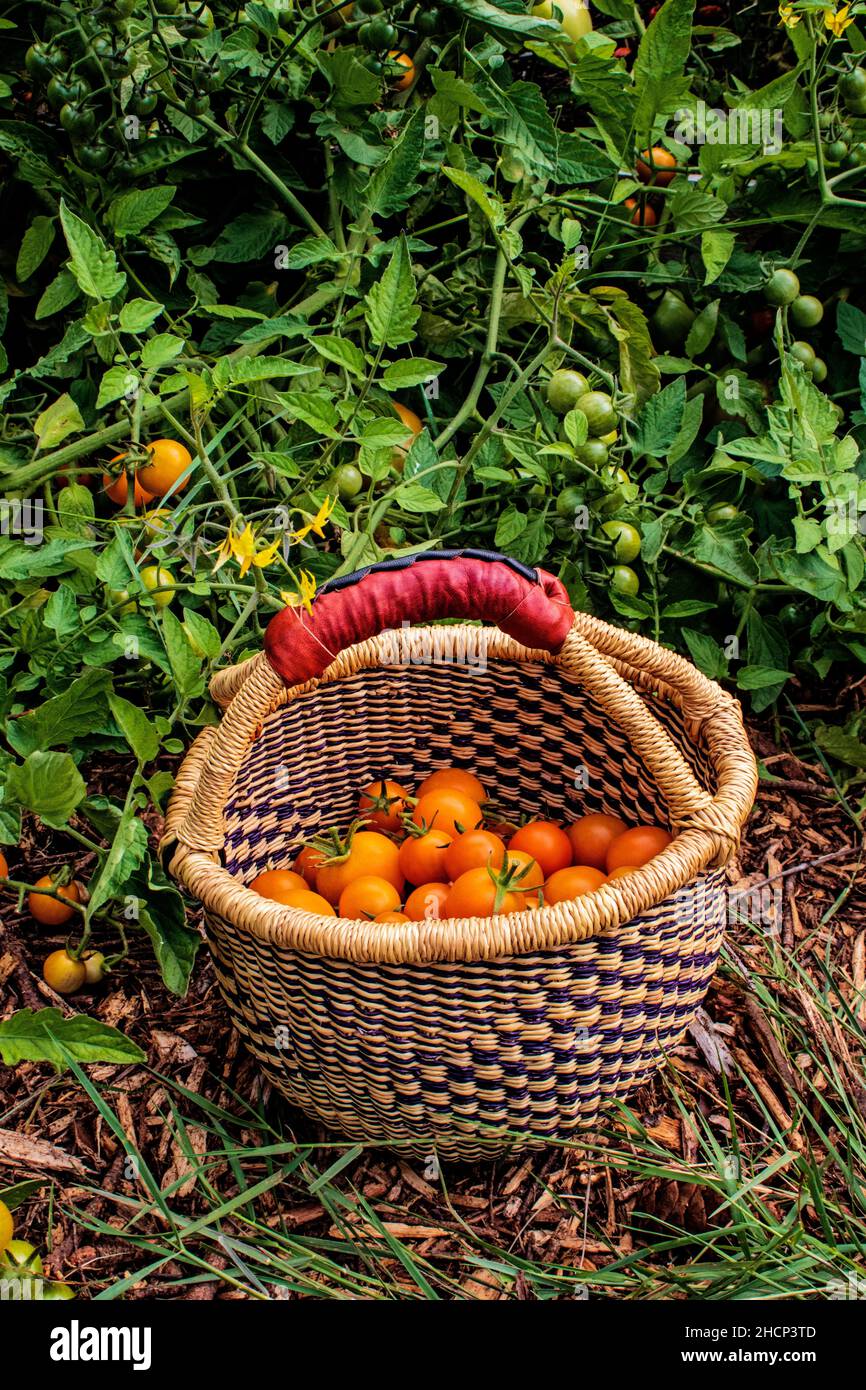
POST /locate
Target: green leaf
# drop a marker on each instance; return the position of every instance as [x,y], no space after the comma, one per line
[203,636]
[57,295]
[660,419]
[706,653]
[490,204]
[703,329]
[127,853]
[48,784]
[505,23]
[841,745]
[312,250]
[728,554]
[415,497]
[390,308]
[410,371]
[161,349]
[80,710]
[92,263]
[162,916]
[138,314]
[851,327]
[56,422]
[716,248]
[44,1035]
[133,211]
[757,677]
[660,64]
[116,383]
[185,665]
[509,526]
[136,728]
[341,351]
[394,183]
[230,372]
[35,245]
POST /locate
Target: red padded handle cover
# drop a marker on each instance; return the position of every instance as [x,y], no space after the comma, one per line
[530,605]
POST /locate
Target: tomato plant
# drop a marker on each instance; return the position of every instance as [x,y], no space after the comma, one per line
[336,288]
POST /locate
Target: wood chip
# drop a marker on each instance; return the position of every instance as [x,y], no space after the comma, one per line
[27,1152]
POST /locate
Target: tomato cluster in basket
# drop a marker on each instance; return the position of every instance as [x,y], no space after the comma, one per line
[431,855]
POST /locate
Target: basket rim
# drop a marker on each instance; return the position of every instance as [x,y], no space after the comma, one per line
[707,837]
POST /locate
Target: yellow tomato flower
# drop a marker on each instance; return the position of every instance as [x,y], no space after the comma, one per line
[837,21]
[305,594]
[317,523]
[242,547]
[787,16]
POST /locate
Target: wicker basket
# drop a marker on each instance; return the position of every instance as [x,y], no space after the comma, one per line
[463,1036]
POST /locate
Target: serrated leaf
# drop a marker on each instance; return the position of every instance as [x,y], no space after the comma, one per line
[394,182]
[138,314]
[310,250]
[490,203]
[136,728]
[35,245]
[660,63]
[116,383]
[703,329]
[92,263]
[410,371]
[716,248]
[133,211]
[390,308]
[161,349]
[48,784]
[162,916]
[851,327]
[57,295]
[660,419]
[230,372]
[757,677]
[341,351]
[80,710]
[44,1035]
[56,422]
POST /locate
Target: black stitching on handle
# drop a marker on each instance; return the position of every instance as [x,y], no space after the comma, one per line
[403,562]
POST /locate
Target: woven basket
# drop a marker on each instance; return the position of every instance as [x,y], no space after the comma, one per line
[465,1036]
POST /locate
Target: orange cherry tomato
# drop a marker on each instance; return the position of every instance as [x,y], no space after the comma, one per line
[167,462]
[414,425]
[405,61]
[276,883]
[623,871]
[456,777]
[367,896]
[116,488]
[369,853]
[473,850]
[307,863]
[526,872]
[546,843]
[572,883]
[447,809]
[49,911]
[422,857]
[382,804]
[591,836]
[392,916]
[427,902]
[305,901]
[474,895]
[657,166]
[642,215]
[636,847]
[4,867]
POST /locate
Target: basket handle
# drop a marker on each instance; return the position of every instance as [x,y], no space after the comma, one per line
[530,605]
